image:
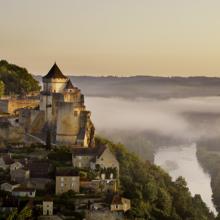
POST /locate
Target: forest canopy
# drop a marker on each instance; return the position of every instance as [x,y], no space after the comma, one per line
[152,192]
[16,80]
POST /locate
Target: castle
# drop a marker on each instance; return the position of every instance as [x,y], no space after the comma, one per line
[61,115]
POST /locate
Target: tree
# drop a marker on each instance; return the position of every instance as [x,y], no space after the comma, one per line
[17,80]
[2,88]
[152,192]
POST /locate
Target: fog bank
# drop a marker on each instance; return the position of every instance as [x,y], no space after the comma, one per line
[185,119]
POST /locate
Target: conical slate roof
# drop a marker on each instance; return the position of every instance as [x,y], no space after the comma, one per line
[55,73]
[69,85]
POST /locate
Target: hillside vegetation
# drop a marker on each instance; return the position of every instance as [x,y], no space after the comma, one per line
[16,80]
[2,88]
[153,194]
[208,154]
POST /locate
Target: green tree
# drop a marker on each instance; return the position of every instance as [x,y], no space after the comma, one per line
[17,80]
[152,192]
[2,88]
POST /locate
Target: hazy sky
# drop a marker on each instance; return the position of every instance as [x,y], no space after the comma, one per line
[118,37]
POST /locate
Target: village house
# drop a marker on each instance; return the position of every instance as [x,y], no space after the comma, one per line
[9,187]
[48,207]
[40,183]
[21,175]
[92,157]
[24,192]
[15,166]
[67,179]
[82,157]
[106,159]
[120,204]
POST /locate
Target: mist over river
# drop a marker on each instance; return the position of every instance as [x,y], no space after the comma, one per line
[182,161]
[182,121]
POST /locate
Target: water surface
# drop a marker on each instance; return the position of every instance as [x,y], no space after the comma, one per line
[182,161]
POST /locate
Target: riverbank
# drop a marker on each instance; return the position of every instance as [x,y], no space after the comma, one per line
[182,161]
[208,154]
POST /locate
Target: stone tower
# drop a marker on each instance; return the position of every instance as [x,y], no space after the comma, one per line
[62,113]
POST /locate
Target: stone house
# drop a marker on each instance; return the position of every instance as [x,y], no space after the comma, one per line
[106,159]
[40,183]
[20,175]
[24,192]
[67,179]
[120,204]
[6,161]
[48,207]
[82,157]
[15,166]
[92,157]
[9,187]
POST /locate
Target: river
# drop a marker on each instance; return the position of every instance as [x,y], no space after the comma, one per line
[182,161]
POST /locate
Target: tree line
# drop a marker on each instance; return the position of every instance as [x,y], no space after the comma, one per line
[15,80]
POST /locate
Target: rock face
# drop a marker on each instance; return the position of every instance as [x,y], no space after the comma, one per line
[62,114]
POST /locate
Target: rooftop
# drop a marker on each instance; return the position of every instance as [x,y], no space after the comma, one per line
[55,73]
[97,151]
[7,159]
[66,172]
[117,199]
[69,85]
[23,189]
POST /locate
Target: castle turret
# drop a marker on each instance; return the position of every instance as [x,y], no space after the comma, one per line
[54,81]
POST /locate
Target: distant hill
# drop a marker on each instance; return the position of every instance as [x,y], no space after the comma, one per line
[17,80]
[147,86]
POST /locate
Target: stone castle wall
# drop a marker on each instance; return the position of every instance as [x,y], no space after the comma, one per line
[68,123]
[11,105]
[10,134]
[54,85]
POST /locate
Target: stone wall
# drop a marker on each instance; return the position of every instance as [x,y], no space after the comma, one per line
[11,105]
[68,123]
[54,85]
[9,134]
[66,183]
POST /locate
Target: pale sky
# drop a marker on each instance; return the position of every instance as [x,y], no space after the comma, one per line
[112,37]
